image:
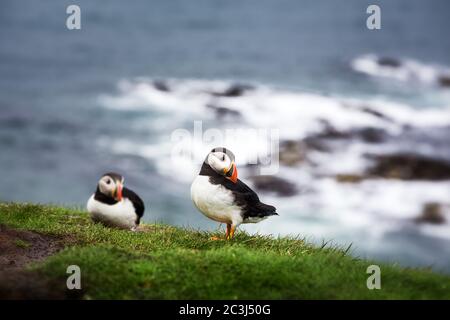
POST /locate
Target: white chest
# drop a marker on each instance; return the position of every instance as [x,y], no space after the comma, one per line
[215,201]
[120,215]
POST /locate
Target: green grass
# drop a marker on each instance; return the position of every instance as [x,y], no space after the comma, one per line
[166,262]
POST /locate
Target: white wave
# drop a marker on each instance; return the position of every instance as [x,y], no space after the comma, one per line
[295,114]
[142,95]
[407,70]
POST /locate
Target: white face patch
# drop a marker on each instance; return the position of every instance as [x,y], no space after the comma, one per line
[107,186]
[219,161]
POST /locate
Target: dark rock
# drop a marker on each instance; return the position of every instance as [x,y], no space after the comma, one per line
[161,85]
[330,132]
[376,113]
[275,184]
[432,212]
[409,167]
[316,143]
[292,152]
[349,178]
[371,135]
[235,90]
[444,81]
[389,62]
[222,112]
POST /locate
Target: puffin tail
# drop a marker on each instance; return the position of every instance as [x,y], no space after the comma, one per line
[267,210]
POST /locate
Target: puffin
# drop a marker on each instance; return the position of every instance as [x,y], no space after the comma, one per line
[221,196]
[114,205]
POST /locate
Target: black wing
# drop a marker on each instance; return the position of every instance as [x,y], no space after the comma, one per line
[246,198]
[138,204]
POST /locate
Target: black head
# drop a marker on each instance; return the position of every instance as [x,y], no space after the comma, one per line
[220,161]
[111,185]
[223,150]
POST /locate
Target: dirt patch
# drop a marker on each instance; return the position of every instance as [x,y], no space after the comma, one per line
[17,250]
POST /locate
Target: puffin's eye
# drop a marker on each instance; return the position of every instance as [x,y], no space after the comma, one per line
[108,181]
[223,157]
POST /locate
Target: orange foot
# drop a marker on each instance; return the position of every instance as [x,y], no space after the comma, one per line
[230,233]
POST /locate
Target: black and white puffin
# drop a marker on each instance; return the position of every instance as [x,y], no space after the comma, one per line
[114,205]
[221,196]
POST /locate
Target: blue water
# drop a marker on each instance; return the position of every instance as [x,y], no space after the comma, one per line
[51,78]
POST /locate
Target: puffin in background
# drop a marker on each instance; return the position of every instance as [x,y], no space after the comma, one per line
[114,205]
[221,196]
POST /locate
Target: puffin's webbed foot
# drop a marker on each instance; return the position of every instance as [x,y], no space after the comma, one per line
[227,234]
[230,231]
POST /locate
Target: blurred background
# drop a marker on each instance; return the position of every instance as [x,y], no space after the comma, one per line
[363,116]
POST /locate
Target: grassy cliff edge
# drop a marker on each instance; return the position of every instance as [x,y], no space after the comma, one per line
[165,262]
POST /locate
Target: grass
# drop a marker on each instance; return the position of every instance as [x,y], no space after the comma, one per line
[166,262]
[22,244]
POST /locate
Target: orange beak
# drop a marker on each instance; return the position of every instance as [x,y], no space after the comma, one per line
[119,192]
[232,173]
